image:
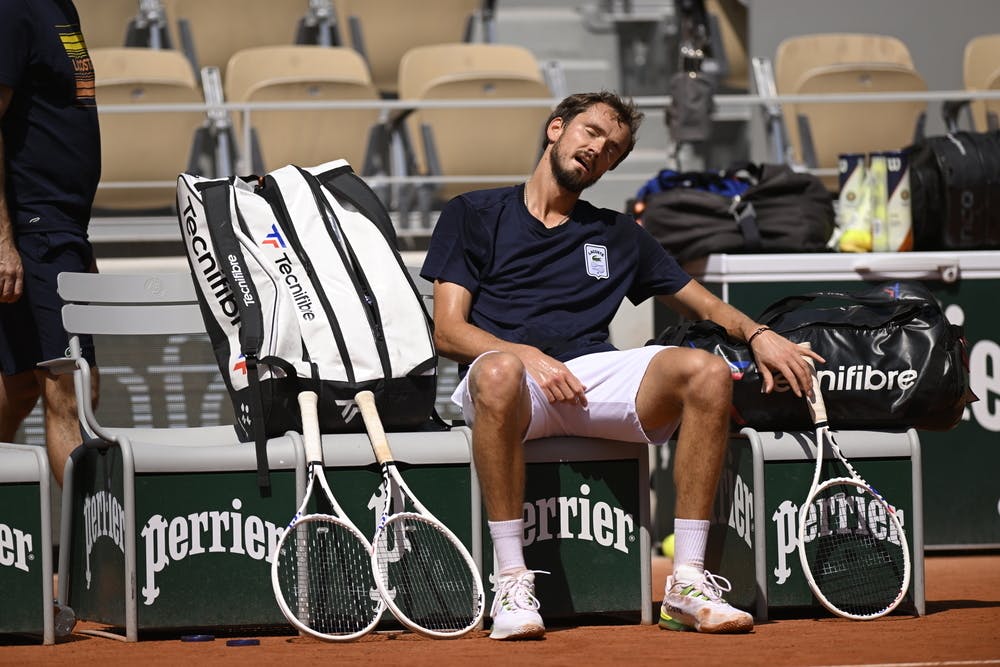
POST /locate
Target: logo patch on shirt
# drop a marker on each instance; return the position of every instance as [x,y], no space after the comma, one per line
[83,68]
[596,257]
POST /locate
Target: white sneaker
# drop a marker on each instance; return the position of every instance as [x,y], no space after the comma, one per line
[698,605]
[515,608]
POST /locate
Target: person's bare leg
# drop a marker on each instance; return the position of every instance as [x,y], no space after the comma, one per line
[695,387]
[18,395]
[497,384]
[62,425]
[502,412]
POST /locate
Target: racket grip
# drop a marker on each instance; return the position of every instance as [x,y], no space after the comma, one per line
[310,426]
[373,424]
[817,406]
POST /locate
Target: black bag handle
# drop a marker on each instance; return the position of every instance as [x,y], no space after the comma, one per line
[872,297]
[346,184]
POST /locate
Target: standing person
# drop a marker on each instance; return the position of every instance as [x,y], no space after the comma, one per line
[50,163]
[527,279]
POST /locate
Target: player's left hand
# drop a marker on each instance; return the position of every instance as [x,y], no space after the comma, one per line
[776,355]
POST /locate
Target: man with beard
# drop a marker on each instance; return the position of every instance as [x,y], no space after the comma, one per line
[527,279]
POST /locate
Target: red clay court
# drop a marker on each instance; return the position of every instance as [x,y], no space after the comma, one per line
[961,628]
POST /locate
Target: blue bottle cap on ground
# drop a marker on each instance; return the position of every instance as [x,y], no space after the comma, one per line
[198,638]
[242,642]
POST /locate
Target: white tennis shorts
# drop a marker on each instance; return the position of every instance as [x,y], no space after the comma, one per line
[612,380]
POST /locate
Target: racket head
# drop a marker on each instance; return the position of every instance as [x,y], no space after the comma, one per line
[426,576]
[853,550]
[322,579]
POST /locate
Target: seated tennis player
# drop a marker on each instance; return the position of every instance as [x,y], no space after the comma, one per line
[527,279]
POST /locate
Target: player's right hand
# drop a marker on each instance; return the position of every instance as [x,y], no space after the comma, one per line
[11,272]
[555,379]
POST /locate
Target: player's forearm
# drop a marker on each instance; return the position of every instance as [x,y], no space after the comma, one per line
[6,228]
[695,302]
[737,324]
[463,342]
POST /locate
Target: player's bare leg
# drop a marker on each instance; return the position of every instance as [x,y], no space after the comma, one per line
[696,387]
[62,424]
[503,410]
[18,395]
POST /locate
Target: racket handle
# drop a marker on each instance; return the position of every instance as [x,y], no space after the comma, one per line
[817,406]
[373,424]
[310,426]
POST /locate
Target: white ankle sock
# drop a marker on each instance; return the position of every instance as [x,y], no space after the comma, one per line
[690,540]
[507,545]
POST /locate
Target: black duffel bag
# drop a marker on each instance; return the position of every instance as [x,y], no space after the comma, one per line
[892,360]
[955,190]
[754,208]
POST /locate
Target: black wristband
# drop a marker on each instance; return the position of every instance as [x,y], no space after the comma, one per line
[756,333]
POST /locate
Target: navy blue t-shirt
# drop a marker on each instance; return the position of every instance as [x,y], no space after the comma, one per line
[52,147]
[556,289]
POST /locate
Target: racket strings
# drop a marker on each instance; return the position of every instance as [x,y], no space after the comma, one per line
[856,554]
[427,576]
[325,578]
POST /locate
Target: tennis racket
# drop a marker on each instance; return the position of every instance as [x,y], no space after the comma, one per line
[851,544]
[425,574]
[320,570]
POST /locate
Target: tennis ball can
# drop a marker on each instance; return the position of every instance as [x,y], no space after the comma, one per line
[898,214]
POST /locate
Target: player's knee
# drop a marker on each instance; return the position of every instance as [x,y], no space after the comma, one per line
[709,378]
[717,380]
[497,377]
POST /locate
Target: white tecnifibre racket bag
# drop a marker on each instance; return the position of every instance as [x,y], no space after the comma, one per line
[302,288]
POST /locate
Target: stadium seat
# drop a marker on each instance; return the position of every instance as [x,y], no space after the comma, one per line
[847,63]
[143,146]
[109,23]
[211,31]
[828,129]
[104,23]
[981,71]
[384,30]
[501,141]
[304,73]
[731,22]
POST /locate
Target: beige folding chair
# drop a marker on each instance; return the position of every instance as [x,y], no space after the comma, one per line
[146,146]
[211,31]
[104,23]
[304,73]
[835,128]
[502,141]
[981,71]
[798,55]
[731,22]
[109,23]
[384,30]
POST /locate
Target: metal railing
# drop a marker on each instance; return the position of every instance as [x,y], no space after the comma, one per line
[393,110]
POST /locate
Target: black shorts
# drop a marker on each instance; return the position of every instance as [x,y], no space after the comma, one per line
[31,329]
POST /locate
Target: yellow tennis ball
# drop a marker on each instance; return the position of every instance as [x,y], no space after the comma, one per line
[855,240]
[668,546]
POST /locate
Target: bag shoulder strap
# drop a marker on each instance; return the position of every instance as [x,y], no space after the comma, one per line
[220,225]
